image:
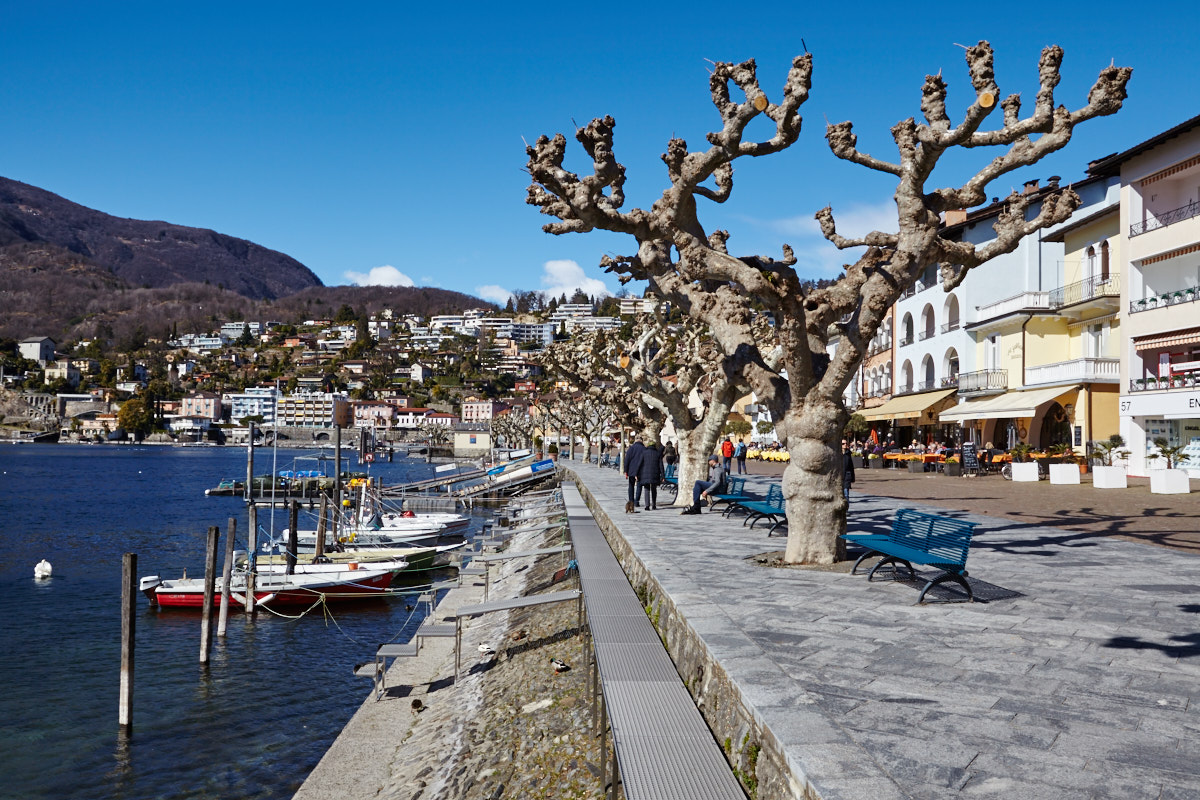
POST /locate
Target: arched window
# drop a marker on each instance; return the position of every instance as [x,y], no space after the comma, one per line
[927,372]
[907,329]
[906,377]
[1104,260]
[927,322]
[950,367]
[951,310]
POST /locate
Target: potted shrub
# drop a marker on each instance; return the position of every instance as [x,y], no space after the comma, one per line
[1023,468]
[856,457]
[1104,474]
[1169,480]
[874,461]
[916,464]
[953,467]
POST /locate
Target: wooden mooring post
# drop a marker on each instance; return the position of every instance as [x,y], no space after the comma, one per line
[293,541]
[128,625]
[319,548]
[210,579]
[227,576]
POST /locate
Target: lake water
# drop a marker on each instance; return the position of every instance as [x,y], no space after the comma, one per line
[253,725]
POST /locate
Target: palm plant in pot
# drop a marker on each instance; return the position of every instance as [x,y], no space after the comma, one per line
[1169,480]
[1063,465]
[1023,467]
[1104,474]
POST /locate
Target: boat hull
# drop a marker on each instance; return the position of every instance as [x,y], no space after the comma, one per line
[274,591]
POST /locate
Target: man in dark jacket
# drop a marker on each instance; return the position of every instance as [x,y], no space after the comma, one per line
[702,489]
[847,470]
[633,464]
[650,475]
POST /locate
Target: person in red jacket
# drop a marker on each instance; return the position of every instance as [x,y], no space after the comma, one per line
[727,453]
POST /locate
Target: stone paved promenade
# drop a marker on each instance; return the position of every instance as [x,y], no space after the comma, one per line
[1075,679]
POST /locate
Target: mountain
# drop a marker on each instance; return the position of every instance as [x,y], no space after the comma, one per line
[146,253]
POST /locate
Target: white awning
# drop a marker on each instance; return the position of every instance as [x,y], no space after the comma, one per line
[906,406]
[1008,405]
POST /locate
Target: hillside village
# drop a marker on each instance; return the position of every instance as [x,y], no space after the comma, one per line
[396,377]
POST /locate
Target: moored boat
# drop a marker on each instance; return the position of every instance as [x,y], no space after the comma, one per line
[273,589]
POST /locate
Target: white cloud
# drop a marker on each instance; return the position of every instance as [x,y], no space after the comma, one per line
[497,294]
[565,276]
[814,253]
[386,275]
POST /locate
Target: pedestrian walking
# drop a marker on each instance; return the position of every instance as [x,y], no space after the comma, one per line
[650,475]
[847,470]
[727,454]
[633,463]
[739,453]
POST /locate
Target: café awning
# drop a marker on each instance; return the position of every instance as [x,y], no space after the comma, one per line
[1015,405]
[906,406]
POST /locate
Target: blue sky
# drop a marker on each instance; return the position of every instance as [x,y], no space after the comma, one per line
[383,142]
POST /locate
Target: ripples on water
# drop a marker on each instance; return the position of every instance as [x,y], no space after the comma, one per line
[253,725]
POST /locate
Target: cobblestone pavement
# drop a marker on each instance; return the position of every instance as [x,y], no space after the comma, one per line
[1077,676]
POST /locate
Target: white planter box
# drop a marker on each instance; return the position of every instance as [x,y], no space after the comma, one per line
[1109,478]
[1169,481]
[1064,473]
[1027,471]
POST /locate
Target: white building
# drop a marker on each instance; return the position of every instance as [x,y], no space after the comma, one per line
[255,401]
[1160,226]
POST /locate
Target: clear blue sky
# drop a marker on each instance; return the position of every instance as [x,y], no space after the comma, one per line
[360,136]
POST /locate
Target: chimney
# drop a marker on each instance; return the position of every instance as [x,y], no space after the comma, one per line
[956,216]
[1031,186]
[1053,181]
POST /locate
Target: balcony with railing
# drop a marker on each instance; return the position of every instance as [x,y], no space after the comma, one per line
[952,325]
[925,334]
[905,341]
[1076,370]
[984,381]
[1025,301]
[878,347]
[1187,295]
[1096,287]
[1164,219]
[950,382]
[1186,380]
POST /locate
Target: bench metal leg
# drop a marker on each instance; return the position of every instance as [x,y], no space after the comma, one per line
[862,558]
[948,576]
[912,574]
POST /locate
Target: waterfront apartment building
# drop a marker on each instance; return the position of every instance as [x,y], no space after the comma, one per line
[313,410]
[255,401]
[1160,337]
[201,405]
[481,410]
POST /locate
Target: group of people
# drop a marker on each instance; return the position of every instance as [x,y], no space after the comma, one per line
[645,468]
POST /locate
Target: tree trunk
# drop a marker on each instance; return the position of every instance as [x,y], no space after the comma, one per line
[696,444]
[812,490]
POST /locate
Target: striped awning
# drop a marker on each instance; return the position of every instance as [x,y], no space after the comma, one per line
[905,406]
[1174,339]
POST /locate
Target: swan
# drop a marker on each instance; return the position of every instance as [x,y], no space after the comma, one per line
[42,569]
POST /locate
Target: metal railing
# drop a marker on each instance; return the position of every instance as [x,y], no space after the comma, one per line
[981,381]
[950,326]
[951,381]
[906,341]
[1087,289]
[1189,380]
[1164,219]
[1188,295]
[923,335]
[925,386]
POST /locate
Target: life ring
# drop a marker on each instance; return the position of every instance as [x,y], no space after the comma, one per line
[369,458]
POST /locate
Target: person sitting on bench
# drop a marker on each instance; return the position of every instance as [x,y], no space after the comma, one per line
[702,489]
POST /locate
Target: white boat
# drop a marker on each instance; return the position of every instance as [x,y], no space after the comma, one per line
[330,567]
[272,589]
[450,522]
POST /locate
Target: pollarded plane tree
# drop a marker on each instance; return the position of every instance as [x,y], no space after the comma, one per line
[667,371]
[515,425]
[688,264]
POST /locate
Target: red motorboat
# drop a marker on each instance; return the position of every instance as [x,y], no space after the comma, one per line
[273,590]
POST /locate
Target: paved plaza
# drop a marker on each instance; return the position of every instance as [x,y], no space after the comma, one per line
[1074,678]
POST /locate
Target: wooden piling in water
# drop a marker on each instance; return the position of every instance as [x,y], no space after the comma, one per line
[227,576]
[319,547]
[293,542]
[210,579]
[128,624]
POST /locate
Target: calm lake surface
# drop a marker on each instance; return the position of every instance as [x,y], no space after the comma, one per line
[253,725]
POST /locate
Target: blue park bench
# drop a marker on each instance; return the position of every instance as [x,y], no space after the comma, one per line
[770,508]
[735,491]
[920,538]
